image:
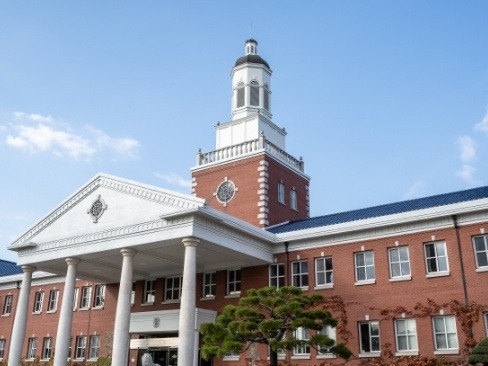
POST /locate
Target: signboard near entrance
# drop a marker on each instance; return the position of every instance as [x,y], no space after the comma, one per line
[153,342]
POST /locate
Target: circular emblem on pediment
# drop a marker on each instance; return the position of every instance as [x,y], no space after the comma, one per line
[225,191]
[97,208]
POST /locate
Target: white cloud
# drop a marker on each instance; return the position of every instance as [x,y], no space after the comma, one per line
[37,133]
[483,125]
[467,148]
[415,191]
[467,174]
[174,179]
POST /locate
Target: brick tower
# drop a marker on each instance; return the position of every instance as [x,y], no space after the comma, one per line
[249,174]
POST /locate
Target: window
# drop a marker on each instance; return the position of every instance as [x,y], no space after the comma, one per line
[7,307]
[47,348]
[75,298]
[323,271]
[2,348]
[481,251]
[399,262]
[94,346]
[70,347]
[173,288]
[406,335]
[302,334]
[53,300]
[266,97]
[80,347]
[234,282]
[31,348]
[485,316]
[254,93]
[85,297]
[364,266]
[436,257]
[299,273]
[99,299]
[293,200]
[281,192]
[329,332]
[445,333]
[133,294]
[38,302]
[149,292]
[277,275]
[240,95]
[209,284]
[369,337]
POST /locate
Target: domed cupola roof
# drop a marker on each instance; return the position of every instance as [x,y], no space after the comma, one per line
[251,56]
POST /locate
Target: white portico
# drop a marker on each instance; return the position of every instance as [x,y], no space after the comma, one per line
[117,231]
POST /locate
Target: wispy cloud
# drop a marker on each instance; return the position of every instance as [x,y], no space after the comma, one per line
[174,179]
[415,191]
[483,125]
[37,133]
[467,173]
[467,148]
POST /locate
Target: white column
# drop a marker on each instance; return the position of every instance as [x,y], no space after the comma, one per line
[186,328]
[66,314]
[20,322]
[120,349]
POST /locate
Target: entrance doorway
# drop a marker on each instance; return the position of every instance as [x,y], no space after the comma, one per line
[163,356]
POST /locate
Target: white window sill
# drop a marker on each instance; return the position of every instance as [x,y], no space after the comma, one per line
[454,351]
[437,274]
[5,315]
[83,309]
[176,301]
[365,282]
[324,287]
[407,353]
[206,298]
[147,304]
[370,354]
[482,269]
[401,278]
[51,311]
[92,359]
[233,296]
[300,357]
[36,312]
[98,308]
[326,356]
[231,358]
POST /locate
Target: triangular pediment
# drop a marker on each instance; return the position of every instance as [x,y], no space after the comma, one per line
[104,203]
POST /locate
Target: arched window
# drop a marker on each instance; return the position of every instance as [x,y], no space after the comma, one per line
[254,93]
[266,97]
[240,95]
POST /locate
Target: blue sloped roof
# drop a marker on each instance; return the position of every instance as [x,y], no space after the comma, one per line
[9,268]
[383,210]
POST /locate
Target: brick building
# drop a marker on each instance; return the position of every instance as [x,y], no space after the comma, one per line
[105,272]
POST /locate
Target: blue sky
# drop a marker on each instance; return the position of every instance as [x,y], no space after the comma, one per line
[385,100]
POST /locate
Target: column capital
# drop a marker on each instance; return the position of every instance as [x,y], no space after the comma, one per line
[72,261]
[28,268]
[128,252]
[190,241]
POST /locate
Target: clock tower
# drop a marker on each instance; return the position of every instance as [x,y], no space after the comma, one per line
[249,174]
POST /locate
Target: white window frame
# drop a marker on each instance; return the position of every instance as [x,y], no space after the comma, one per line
[3,342]
[173,286]
[209,286]
[149,293]
[364,261]
[373,340]
[254,91]
[437,259]
[94,347]
[399,265]
[99,298]
[479,252]
[277,275]
[281,192]
[31,348]
[303,350]
[85,298]
[80,349]
[52,305]
[324,275]
[330,332]
[299,274]
[7,306]
[38,299]
[293,200]
[47,348]
[75,299]
[444,327]
[406,330]
[233,282]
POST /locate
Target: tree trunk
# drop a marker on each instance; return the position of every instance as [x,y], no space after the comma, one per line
[273,358]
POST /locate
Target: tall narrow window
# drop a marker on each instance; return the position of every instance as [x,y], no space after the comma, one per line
[436,258]
[53,300]
[173,288]
[485,317]
[299,273]
[47,348]
[2,348]
[234,282]
[80,347]
[31,348]
[209,284]
[481,251]
[75,298]
[293,200]
[240,95]
[281,192]
[85,297]
[99,298]
[445,333]
[38,302]
[149,292]
[406,335]
[323,271]
[94,346]
[266,97]
[254,93]
[7,307]
[364,266]
[302,334]
[369,337]
[329,332]
[277,275]
[399,262]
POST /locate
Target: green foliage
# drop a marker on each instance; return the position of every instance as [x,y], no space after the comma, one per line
[269,316]
[480,353]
